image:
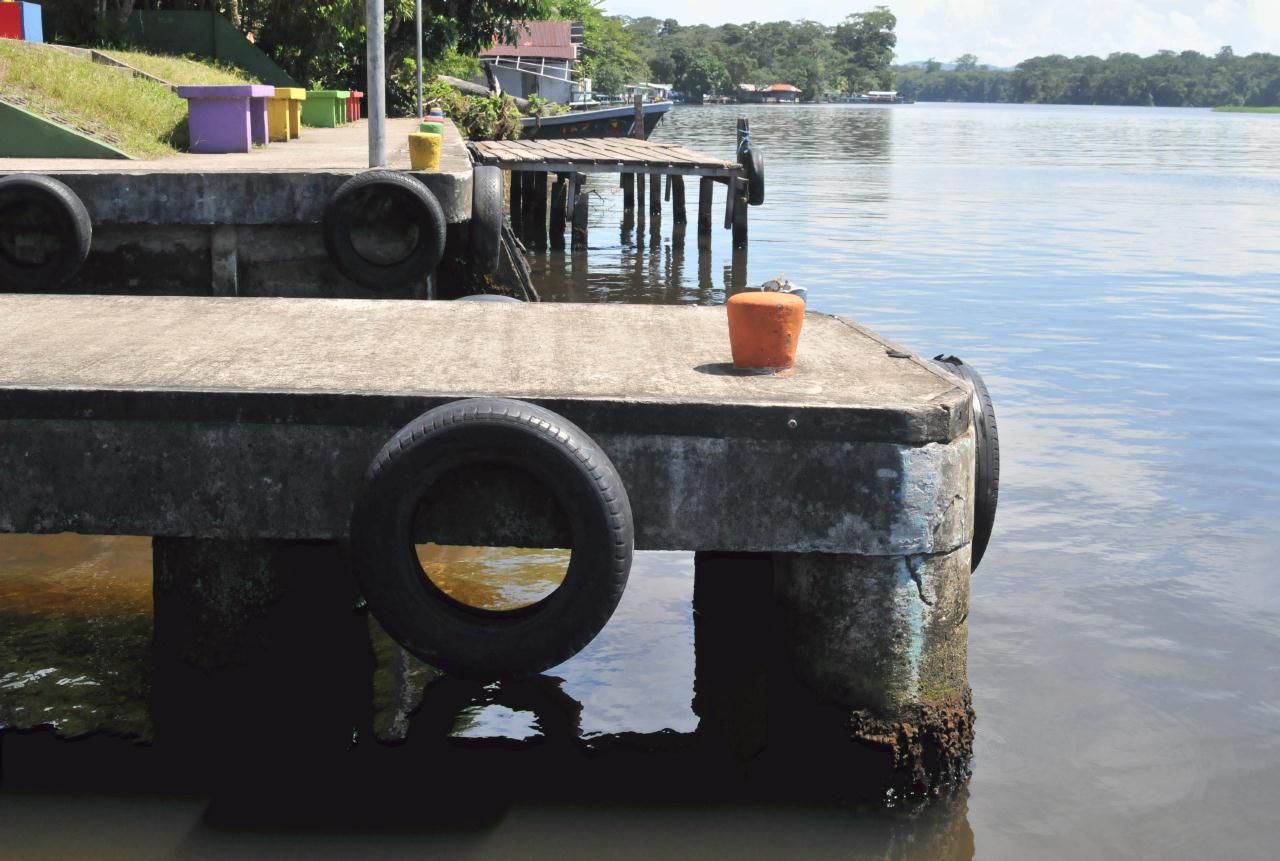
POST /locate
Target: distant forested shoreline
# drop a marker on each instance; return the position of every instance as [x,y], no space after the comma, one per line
[1165,79]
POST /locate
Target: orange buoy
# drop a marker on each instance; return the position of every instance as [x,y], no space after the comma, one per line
[764,329]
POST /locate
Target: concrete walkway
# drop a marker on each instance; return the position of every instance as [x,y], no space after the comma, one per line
[345,148]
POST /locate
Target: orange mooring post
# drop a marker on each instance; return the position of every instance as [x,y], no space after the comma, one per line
[764,329]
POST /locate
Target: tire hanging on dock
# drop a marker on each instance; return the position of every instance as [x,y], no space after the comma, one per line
[986,456]
[458,638]
[486,218]
[40,205]
[752,161]
[385,188]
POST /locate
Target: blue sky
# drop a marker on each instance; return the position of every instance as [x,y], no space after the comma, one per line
[1002,32]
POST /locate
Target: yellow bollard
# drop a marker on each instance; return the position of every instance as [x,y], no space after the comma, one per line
[424,151]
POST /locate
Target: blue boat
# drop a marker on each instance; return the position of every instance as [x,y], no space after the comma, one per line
[614,122]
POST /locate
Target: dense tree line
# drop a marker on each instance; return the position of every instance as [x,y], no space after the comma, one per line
[852,56]
[323,44]
[1165,79]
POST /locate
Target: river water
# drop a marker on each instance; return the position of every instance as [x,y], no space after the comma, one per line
[1114,274]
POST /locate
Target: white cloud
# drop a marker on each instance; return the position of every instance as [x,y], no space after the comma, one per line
[1003,32]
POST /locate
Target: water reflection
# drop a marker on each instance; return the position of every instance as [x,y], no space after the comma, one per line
[1113,273]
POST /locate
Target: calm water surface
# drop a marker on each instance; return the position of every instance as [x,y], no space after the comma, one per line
[1115,276]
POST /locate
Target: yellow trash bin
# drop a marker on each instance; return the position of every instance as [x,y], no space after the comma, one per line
[284,113]
[424,151]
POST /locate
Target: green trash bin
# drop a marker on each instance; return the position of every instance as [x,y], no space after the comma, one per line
[325,108]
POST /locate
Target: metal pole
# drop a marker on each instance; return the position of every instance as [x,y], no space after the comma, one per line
[375,28]
[418,19]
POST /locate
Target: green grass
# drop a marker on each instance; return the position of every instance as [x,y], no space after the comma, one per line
[1246,109]
[142,118]
[182,70]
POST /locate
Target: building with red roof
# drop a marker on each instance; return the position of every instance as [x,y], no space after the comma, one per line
[540,62]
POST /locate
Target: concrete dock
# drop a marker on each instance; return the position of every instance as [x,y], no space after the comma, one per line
[234,429]
[238,224]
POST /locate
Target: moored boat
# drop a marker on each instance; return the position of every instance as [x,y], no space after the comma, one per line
[617,122]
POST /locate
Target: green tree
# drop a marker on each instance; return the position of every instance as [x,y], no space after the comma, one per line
[868,40]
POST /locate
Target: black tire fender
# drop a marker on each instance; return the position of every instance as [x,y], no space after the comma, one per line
[486,297]
[472,642]
[72,227]
[425,210]
[987,456]
[486,218]
[752,161]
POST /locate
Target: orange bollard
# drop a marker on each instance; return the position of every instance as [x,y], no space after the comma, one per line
[764,329]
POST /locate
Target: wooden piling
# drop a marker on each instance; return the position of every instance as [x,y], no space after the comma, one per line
[705,197]
[640,189]
[677,200]
[739,213]
[579,215]
[628,192]
[637,123]
[516,203]
[540,209]
[559,196]
[655,194]
[527,204]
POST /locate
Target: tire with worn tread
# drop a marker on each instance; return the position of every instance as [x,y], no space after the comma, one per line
[752,160]
[486,218]
[72,227]
[426,212]
[986,457]
[473,642]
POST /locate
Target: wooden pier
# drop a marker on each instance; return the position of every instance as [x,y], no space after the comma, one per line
[559,168]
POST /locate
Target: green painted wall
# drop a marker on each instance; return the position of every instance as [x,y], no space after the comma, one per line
[25,135]
[205,34]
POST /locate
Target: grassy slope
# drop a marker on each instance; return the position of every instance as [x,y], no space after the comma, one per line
[181,70]
[1245,109]
[142,118]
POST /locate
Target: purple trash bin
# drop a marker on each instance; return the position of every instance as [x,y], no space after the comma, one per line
[227,118]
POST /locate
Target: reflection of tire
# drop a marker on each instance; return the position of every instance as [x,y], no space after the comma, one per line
[456,637]
[425,213]
[68,219]
[486,218]
[987,457]
[752,160]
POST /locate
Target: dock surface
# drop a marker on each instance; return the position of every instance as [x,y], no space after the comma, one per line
[674,358]
[341,149]
[600,155]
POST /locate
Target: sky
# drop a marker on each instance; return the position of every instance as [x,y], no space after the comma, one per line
[1004,32]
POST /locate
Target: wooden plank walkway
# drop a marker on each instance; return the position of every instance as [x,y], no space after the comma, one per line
[600,155]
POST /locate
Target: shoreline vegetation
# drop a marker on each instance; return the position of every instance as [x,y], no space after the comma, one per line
[1247,109]
[323,45]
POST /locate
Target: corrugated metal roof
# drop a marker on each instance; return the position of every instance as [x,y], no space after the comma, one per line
[784,88]
[538,39]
